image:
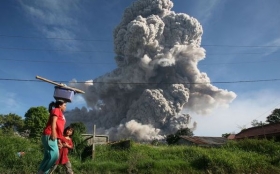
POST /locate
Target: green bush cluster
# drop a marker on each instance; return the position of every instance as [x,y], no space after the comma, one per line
[247,156]
[12,162]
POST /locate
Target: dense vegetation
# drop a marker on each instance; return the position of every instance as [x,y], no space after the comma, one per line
[248,156]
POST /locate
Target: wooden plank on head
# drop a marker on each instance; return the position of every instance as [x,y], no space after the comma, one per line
[60,85]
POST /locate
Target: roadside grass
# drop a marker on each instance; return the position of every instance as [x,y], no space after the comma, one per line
[236,157]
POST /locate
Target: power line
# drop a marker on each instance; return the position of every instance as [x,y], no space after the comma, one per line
[85,51]
[232,54]
[55,38]
[106,40]
[262,61]
[102,51]
[143,83]
[59,50]
[264,112]
[45,61]
[206,45]
[81,62]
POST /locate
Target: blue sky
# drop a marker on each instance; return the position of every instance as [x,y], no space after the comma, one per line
[65,40]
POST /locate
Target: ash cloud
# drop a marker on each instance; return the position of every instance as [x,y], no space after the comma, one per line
[157,52]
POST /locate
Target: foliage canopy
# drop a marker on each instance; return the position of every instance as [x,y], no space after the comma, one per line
[274,117]
[11,123]
[173,138]
[35,121]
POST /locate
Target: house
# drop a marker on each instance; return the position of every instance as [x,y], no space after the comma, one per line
[231,137]
[268,131]
[202,141]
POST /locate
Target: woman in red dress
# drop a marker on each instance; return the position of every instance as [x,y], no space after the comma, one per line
[51,134]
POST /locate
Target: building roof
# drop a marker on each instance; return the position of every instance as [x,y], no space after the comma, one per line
[268,130]
[231,137]
[205,140]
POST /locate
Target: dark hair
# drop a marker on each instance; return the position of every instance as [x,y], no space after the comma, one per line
[55,104]
[68,128]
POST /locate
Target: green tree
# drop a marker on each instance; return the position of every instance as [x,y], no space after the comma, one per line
[78,140]
[274,117]
[79,127]
[35,121]
[11,123]
[173,138]
[256,123]
[185,132]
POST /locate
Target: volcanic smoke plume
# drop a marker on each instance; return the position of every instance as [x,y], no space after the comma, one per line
[157,52]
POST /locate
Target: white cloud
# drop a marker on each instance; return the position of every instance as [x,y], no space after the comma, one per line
[50,12]
[78,100]
[8,102]
[271,50]
[11,102]
[245,108]
[55,19]
[207,8]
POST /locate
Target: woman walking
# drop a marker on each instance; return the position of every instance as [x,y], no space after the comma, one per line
[53,131]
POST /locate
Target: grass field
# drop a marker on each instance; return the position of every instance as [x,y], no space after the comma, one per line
[244,157]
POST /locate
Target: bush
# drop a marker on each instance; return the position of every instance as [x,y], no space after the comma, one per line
[11,162]
[248,156]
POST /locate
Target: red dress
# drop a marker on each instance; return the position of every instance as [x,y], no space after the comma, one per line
[56,112]
[63,152]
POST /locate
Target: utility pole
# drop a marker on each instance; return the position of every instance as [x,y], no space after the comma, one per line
[93,142]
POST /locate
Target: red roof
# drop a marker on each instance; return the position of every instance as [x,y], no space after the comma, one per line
[205,140]
[231,137]
[268,130]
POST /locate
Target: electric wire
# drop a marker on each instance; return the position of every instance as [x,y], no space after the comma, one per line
[97,63]
[143,83]
[107,40]
[52,50]
[269,110]
[46,61]
[54,38]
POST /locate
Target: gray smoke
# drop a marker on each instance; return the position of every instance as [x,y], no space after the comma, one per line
[157,52]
